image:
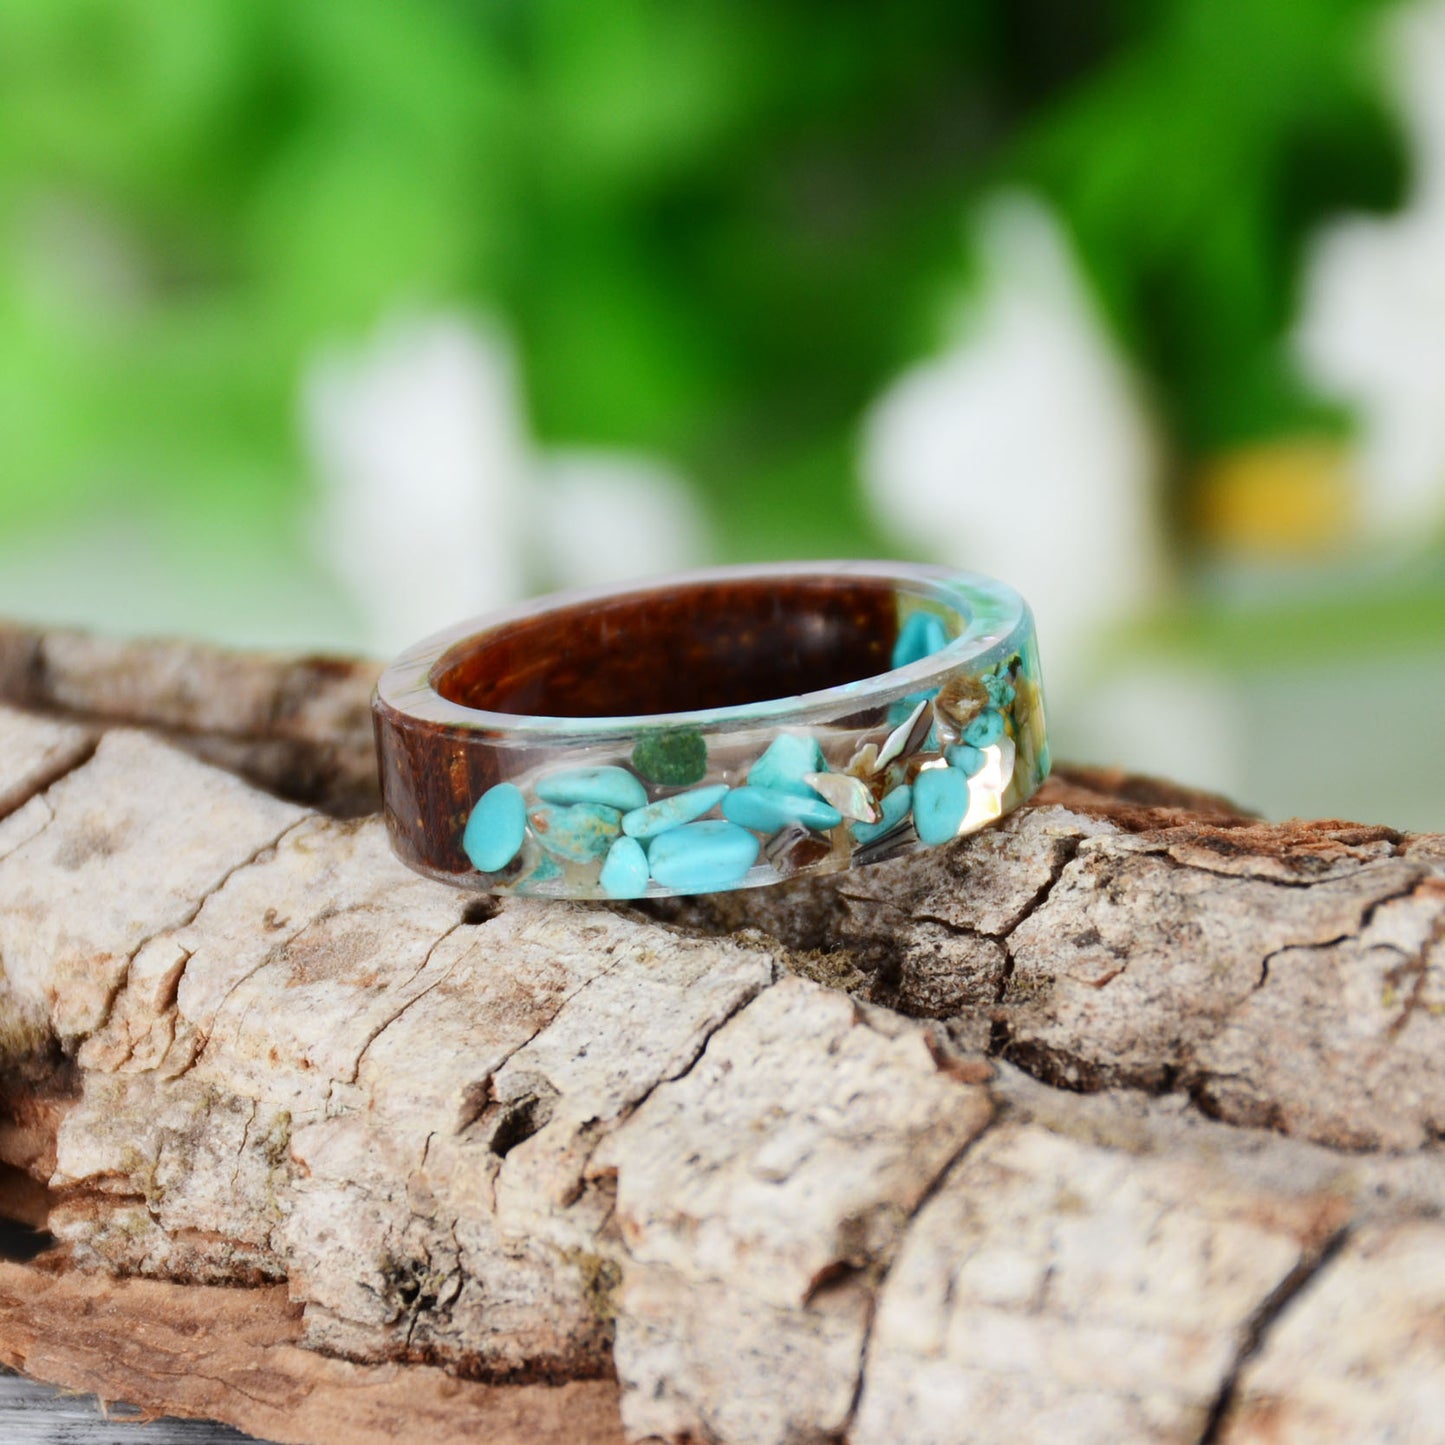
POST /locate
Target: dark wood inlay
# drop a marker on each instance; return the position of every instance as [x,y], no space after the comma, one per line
[704,645]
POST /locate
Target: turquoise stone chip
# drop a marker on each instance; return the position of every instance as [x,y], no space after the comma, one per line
[496,828]
[624,874]
[768,809]
[920,636]
[965,757]
[893,808]
[615,787]
[986,728]
[671,812]
[702,857]
[579,832]
[940,800]
[1000,690]
[783,764]
[544,872]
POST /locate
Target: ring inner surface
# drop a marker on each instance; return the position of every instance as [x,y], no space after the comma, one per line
[680,649]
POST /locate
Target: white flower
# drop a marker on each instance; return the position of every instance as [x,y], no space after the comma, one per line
[424,467]
[1024,451]
[1372,325]
[608,516]
[435,506]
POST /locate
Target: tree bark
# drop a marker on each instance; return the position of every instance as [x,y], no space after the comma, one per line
[1117,1121]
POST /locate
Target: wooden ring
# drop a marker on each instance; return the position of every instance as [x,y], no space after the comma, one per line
[724,728]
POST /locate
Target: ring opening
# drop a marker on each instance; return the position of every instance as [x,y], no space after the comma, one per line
[681,648]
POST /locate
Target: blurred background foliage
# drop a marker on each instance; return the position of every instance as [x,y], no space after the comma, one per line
[712,233]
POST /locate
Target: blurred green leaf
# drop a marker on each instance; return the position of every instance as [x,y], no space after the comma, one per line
[716,229]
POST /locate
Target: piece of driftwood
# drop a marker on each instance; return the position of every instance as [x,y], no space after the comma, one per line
[1119,1121]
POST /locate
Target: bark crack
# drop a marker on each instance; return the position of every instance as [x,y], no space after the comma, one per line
[885,1267]
[480,1096]
[189,918]
[1418,969]
[686,1066]
[41,782]
[203,1035]
[241,1147]
[1078,1072]
[1163,852]
[1070,851]
[49,820]
[414,975]
[1259,1324]
[1296,947]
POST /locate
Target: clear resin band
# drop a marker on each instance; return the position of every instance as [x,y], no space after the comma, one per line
[726,728]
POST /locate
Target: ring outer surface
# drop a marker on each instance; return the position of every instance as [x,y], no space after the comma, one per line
[813,782]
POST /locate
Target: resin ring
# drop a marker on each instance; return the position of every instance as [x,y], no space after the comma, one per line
[726,728]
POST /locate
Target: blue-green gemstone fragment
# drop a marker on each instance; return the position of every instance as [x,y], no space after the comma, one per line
[579,832]
[787,758]
[985,729]
[921,636]
[1000,689]
[893,808]
[965,757]
[768,809]
[624,874]
[940,800]
[545,870]
[674,757]
[672,812]
[495,830]
[702,857]
[615,787]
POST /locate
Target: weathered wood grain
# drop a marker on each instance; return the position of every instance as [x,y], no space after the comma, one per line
[1119,1121]
[296,726]
[234,1353]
